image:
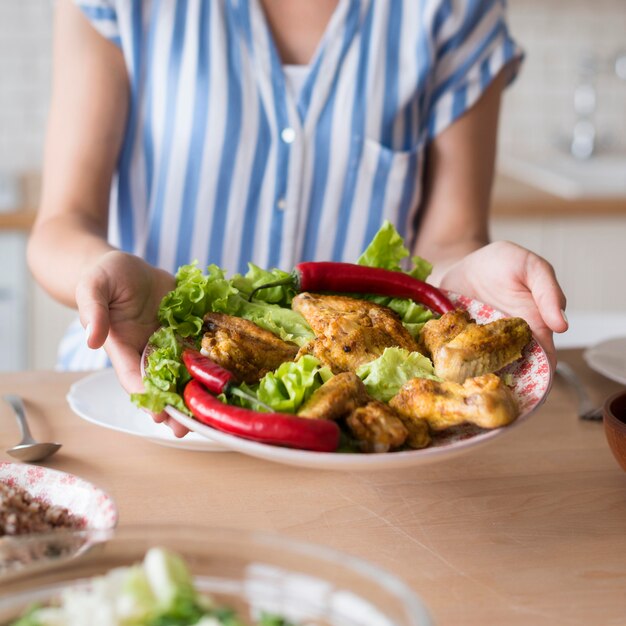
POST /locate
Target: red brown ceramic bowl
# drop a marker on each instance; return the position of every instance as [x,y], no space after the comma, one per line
[615,425]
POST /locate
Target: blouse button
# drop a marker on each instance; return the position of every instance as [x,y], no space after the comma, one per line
[288,135]
[281,205]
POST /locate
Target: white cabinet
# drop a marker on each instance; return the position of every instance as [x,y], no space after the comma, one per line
[14,289]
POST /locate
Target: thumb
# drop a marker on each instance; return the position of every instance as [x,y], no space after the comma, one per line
[92,300]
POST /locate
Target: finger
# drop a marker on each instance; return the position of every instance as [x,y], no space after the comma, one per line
[92,302]
[178,429]
[159,418]
[126,362]
[546,341]
[547,293]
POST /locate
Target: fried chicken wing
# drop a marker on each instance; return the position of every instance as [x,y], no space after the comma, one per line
[376,427]
[462,349]
[350,332]
[243,348]
[337,397]
[485,401]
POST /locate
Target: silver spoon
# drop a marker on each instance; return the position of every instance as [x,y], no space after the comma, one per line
[28,449]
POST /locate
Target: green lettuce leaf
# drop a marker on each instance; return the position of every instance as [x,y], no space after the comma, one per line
[165,375]
[256,277]
[384,376]
[387,250]
[287,324]
[292,384]
[195,294]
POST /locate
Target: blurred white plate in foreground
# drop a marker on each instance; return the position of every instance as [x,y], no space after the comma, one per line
[609,359]
[100,399]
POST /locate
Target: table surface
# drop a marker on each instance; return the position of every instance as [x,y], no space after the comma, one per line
[528,529]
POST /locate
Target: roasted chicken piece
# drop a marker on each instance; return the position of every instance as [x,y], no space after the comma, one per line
[243,348]
[337,397]
[460,348]
[376,427]
[485,401]
[349,332]
[418,436]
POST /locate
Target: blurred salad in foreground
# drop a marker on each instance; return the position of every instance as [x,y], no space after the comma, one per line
[157,592]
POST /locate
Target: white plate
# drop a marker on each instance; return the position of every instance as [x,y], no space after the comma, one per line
[532,378]
[86,501]
[609,359]
[100,399]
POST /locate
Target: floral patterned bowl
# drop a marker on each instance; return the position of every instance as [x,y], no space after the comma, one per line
[83,500]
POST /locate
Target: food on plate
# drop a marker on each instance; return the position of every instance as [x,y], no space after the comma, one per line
[243,348]
[484,400]
[274,428]
[460,348]
[376,427]
[21,513]
[158,591]
[266,357]
[350,278]
[336,398]
[349,332]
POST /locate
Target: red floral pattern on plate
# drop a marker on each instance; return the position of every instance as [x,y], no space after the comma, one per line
[84,500]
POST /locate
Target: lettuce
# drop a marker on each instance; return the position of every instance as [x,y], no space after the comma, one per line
[182,308]
[292,384]
[257,277]
[195,294]
[287,324]
[384,376]
[165,375]
[387,250]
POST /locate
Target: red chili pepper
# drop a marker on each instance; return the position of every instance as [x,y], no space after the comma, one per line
[272,428]
[352,278]
[213,376]
[216,378]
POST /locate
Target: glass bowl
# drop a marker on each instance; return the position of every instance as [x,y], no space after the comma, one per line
[251,572]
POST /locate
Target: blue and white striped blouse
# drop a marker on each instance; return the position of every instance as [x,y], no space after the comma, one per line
[222,164]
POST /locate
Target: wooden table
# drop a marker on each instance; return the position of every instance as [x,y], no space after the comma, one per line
[529,529]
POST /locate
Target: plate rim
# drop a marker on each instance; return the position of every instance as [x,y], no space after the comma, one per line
[74,404]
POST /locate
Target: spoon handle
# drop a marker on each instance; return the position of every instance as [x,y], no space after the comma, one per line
[20,415]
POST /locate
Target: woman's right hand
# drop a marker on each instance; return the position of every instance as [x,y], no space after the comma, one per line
[118,298]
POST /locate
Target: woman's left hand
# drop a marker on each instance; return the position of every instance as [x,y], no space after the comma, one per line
[515,281]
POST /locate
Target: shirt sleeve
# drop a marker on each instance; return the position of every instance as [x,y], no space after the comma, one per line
[103,16]
[471,45]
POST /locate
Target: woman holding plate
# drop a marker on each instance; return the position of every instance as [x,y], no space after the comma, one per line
[270,131]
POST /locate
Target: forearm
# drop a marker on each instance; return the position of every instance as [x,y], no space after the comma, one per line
[458,178]
[60,248]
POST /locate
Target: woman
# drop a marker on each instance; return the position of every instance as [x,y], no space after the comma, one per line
[270,131]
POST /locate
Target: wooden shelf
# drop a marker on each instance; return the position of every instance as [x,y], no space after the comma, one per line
[22,219]
[512,198]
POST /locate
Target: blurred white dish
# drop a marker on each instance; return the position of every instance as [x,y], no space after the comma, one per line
[82,499]
[609,359]
[100,399]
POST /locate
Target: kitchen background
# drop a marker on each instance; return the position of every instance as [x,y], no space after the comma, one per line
[570,96]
